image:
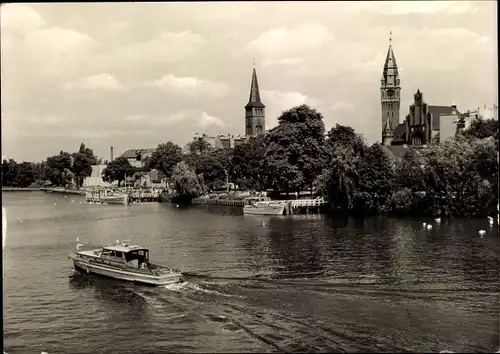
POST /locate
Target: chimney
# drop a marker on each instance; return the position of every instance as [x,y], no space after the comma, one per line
[111,152]
[454,105]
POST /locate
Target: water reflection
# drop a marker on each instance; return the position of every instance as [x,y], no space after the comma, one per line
[217,209]
[379,284]
[119,298]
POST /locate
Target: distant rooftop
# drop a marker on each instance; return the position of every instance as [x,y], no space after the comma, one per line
[134,153]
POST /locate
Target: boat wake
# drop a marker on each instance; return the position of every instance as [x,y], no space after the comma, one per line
[193,287]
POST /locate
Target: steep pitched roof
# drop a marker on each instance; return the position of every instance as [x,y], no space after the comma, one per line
[436,112]
[254,100]
[390,66]
[387,126]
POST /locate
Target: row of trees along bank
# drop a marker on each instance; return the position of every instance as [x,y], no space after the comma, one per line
[60,170]
[458,177]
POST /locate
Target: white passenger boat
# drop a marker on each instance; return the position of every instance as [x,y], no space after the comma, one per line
[124,261]
[106,196]
[265,207]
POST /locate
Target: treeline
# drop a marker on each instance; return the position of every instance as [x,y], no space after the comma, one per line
[64,169]
[458,177]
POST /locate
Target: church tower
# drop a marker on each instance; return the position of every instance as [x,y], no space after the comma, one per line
[387,133]
[390,91]
[255,111]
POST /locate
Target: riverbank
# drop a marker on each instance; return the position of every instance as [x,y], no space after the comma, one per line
[63,191]
[17,189]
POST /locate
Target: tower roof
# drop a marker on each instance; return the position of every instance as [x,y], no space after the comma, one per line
[390,66]
[387,127]
[254,100]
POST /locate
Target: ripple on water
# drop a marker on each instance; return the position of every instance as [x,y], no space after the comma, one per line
[297,284]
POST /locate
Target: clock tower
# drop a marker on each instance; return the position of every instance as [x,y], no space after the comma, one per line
[390,91]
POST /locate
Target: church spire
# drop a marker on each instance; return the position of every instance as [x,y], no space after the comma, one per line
[388,128]
[390,66]
[254,100]
[390,98]
[387,133]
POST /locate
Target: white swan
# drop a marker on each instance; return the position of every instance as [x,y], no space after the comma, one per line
[424,224]
[438,220]
[429,227]
[482,232]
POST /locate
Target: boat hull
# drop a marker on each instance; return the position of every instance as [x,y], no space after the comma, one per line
[115,200]
[249,210]
[89,267]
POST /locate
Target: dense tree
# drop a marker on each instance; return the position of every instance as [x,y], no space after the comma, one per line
[165,157]
[453,183]
[214,165]
[117,170]
[295,151]
[344,152]
[377,180]
[9,173]
[199,146]
[344,137]
[82,163]
[408,170]
[55,168]
[186,183]
[17,175]
[245,169]
[481,128]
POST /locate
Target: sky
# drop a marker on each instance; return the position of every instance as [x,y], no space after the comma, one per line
[133,75]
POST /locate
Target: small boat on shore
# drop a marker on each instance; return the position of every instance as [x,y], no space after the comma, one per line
[265,207]
[124,261]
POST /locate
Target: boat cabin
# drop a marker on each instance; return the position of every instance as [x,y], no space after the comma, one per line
[132,255]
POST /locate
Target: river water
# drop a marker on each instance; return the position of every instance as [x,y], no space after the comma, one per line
[302,283]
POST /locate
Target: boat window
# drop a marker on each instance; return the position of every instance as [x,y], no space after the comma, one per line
[141,256]
[118,254]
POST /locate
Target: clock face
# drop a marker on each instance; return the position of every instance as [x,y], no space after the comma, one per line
[390,93]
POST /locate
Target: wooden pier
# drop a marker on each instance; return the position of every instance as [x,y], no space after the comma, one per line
[292,207]
[143,196]
[226,202]
[305,206]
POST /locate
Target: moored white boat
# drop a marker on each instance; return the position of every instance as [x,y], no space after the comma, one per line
[118,198]
[265,207]
[106,196]
[123,261]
